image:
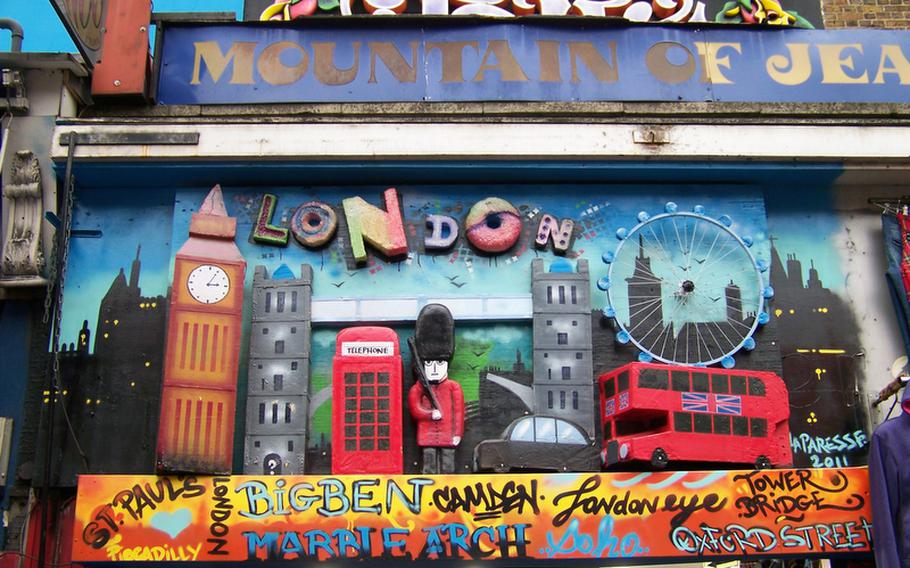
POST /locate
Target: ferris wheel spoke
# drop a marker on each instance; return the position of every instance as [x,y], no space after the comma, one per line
[661,249]
[741,325]
[700,340]
[664,332]
[662,320]
[715,261]
[687,327]
[691,247]
[651,313]
[634,268]
[713,340]
[641,307]
[721,330]
[666,329]
[663,253]
[717,235]
[679,239]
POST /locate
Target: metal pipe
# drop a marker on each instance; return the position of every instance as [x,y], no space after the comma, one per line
[17,32]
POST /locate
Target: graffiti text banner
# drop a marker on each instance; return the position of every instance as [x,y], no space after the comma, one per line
[523,62]
[656,515]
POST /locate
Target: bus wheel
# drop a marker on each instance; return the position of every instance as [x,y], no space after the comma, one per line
[762,463]
[659,458]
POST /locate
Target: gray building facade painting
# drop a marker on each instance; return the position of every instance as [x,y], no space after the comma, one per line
[563,370]
[278,395]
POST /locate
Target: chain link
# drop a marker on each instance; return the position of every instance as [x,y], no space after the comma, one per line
[53,300]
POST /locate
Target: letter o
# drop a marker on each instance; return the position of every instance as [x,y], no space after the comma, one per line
[219,529]
[493,225]
[314,224]
[683,539]
[273,71]
[661,67]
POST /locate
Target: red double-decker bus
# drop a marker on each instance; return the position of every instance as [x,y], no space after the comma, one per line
[661,413]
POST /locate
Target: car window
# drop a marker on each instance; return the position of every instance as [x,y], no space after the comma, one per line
[523,431]
[545,429]
[568,434]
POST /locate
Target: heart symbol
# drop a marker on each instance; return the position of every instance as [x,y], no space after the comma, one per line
[172,523]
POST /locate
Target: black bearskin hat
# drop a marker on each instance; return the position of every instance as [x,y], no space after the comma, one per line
[435,333]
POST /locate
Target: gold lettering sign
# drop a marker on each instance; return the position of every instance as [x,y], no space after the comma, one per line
[451,58]
[274,72]
[711,65]
[793,70]
[240,54]
[893,61]
[835,64]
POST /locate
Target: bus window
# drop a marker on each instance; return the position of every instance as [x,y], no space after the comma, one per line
[682,421]
[700,382]
[720,384]
[653,379]
[680,381]
[721,424]
[738,384]
[608,430]
[740,426]
[756,386]
[641,424]
[702,423]
[609,387]
[759,428]
[623,381]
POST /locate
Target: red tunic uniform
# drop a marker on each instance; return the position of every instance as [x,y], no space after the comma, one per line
[439,433]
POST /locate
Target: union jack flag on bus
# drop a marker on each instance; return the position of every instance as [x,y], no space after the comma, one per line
[729,404]
[610,409]
[695,402]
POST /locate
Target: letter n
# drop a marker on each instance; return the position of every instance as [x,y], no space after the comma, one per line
[382,229]
[551,228]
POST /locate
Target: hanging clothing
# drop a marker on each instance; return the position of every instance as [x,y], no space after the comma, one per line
[895,252]
[889,484]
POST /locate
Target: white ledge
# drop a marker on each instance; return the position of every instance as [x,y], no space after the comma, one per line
[438,141]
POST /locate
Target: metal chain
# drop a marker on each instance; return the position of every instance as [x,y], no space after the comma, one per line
[53,299]
[62,266]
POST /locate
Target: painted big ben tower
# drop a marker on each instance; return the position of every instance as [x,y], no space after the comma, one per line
[196,431]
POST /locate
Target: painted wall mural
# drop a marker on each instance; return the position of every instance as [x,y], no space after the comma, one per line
[522,270]
[794,13]
[564,516]
[819,334]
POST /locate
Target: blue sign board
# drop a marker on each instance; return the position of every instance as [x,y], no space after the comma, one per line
[518,61]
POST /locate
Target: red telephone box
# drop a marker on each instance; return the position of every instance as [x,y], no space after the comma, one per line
[366,402]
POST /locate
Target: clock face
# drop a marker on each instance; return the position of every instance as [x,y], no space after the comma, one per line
[208,284]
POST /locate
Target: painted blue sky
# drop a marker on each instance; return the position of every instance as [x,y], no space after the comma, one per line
[155,222]
[461,272]
[125,223]
[45,33]
[806,228]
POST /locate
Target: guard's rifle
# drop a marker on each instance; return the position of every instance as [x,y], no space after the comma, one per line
[422,376]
